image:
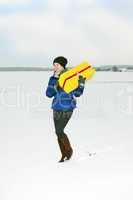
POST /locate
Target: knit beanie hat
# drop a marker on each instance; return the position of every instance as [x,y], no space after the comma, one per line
[61,60]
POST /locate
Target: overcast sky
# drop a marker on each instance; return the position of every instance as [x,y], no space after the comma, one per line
[33,32]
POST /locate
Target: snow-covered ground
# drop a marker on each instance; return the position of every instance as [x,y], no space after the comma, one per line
[102,125]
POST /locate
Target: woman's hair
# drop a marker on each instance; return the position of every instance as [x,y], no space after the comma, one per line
[61,60]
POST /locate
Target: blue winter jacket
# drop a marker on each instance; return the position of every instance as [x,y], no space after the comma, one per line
[62,101]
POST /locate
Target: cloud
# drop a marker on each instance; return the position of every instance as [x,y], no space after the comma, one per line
[95,34]
[45,35]
[109,33]
[119,7]
[8,2]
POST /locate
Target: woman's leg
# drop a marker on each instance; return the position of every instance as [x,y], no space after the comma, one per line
[61,119]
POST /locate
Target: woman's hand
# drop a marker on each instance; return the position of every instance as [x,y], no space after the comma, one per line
[81,80]
[58,71]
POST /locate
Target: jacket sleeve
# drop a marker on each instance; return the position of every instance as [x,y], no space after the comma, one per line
[51,88]
[78,91]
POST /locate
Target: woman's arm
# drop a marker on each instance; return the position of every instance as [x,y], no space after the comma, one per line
[51,88]
[79,91]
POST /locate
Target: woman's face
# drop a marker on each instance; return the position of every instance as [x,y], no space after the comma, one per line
[56,66]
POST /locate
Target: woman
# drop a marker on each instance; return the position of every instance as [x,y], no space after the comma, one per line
[63,105]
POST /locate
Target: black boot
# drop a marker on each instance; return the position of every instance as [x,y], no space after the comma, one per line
[62,149]
[67,147]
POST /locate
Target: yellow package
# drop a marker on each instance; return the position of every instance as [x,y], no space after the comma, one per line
[69,79]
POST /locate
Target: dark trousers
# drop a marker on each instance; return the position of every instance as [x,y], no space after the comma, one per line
[61,119]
